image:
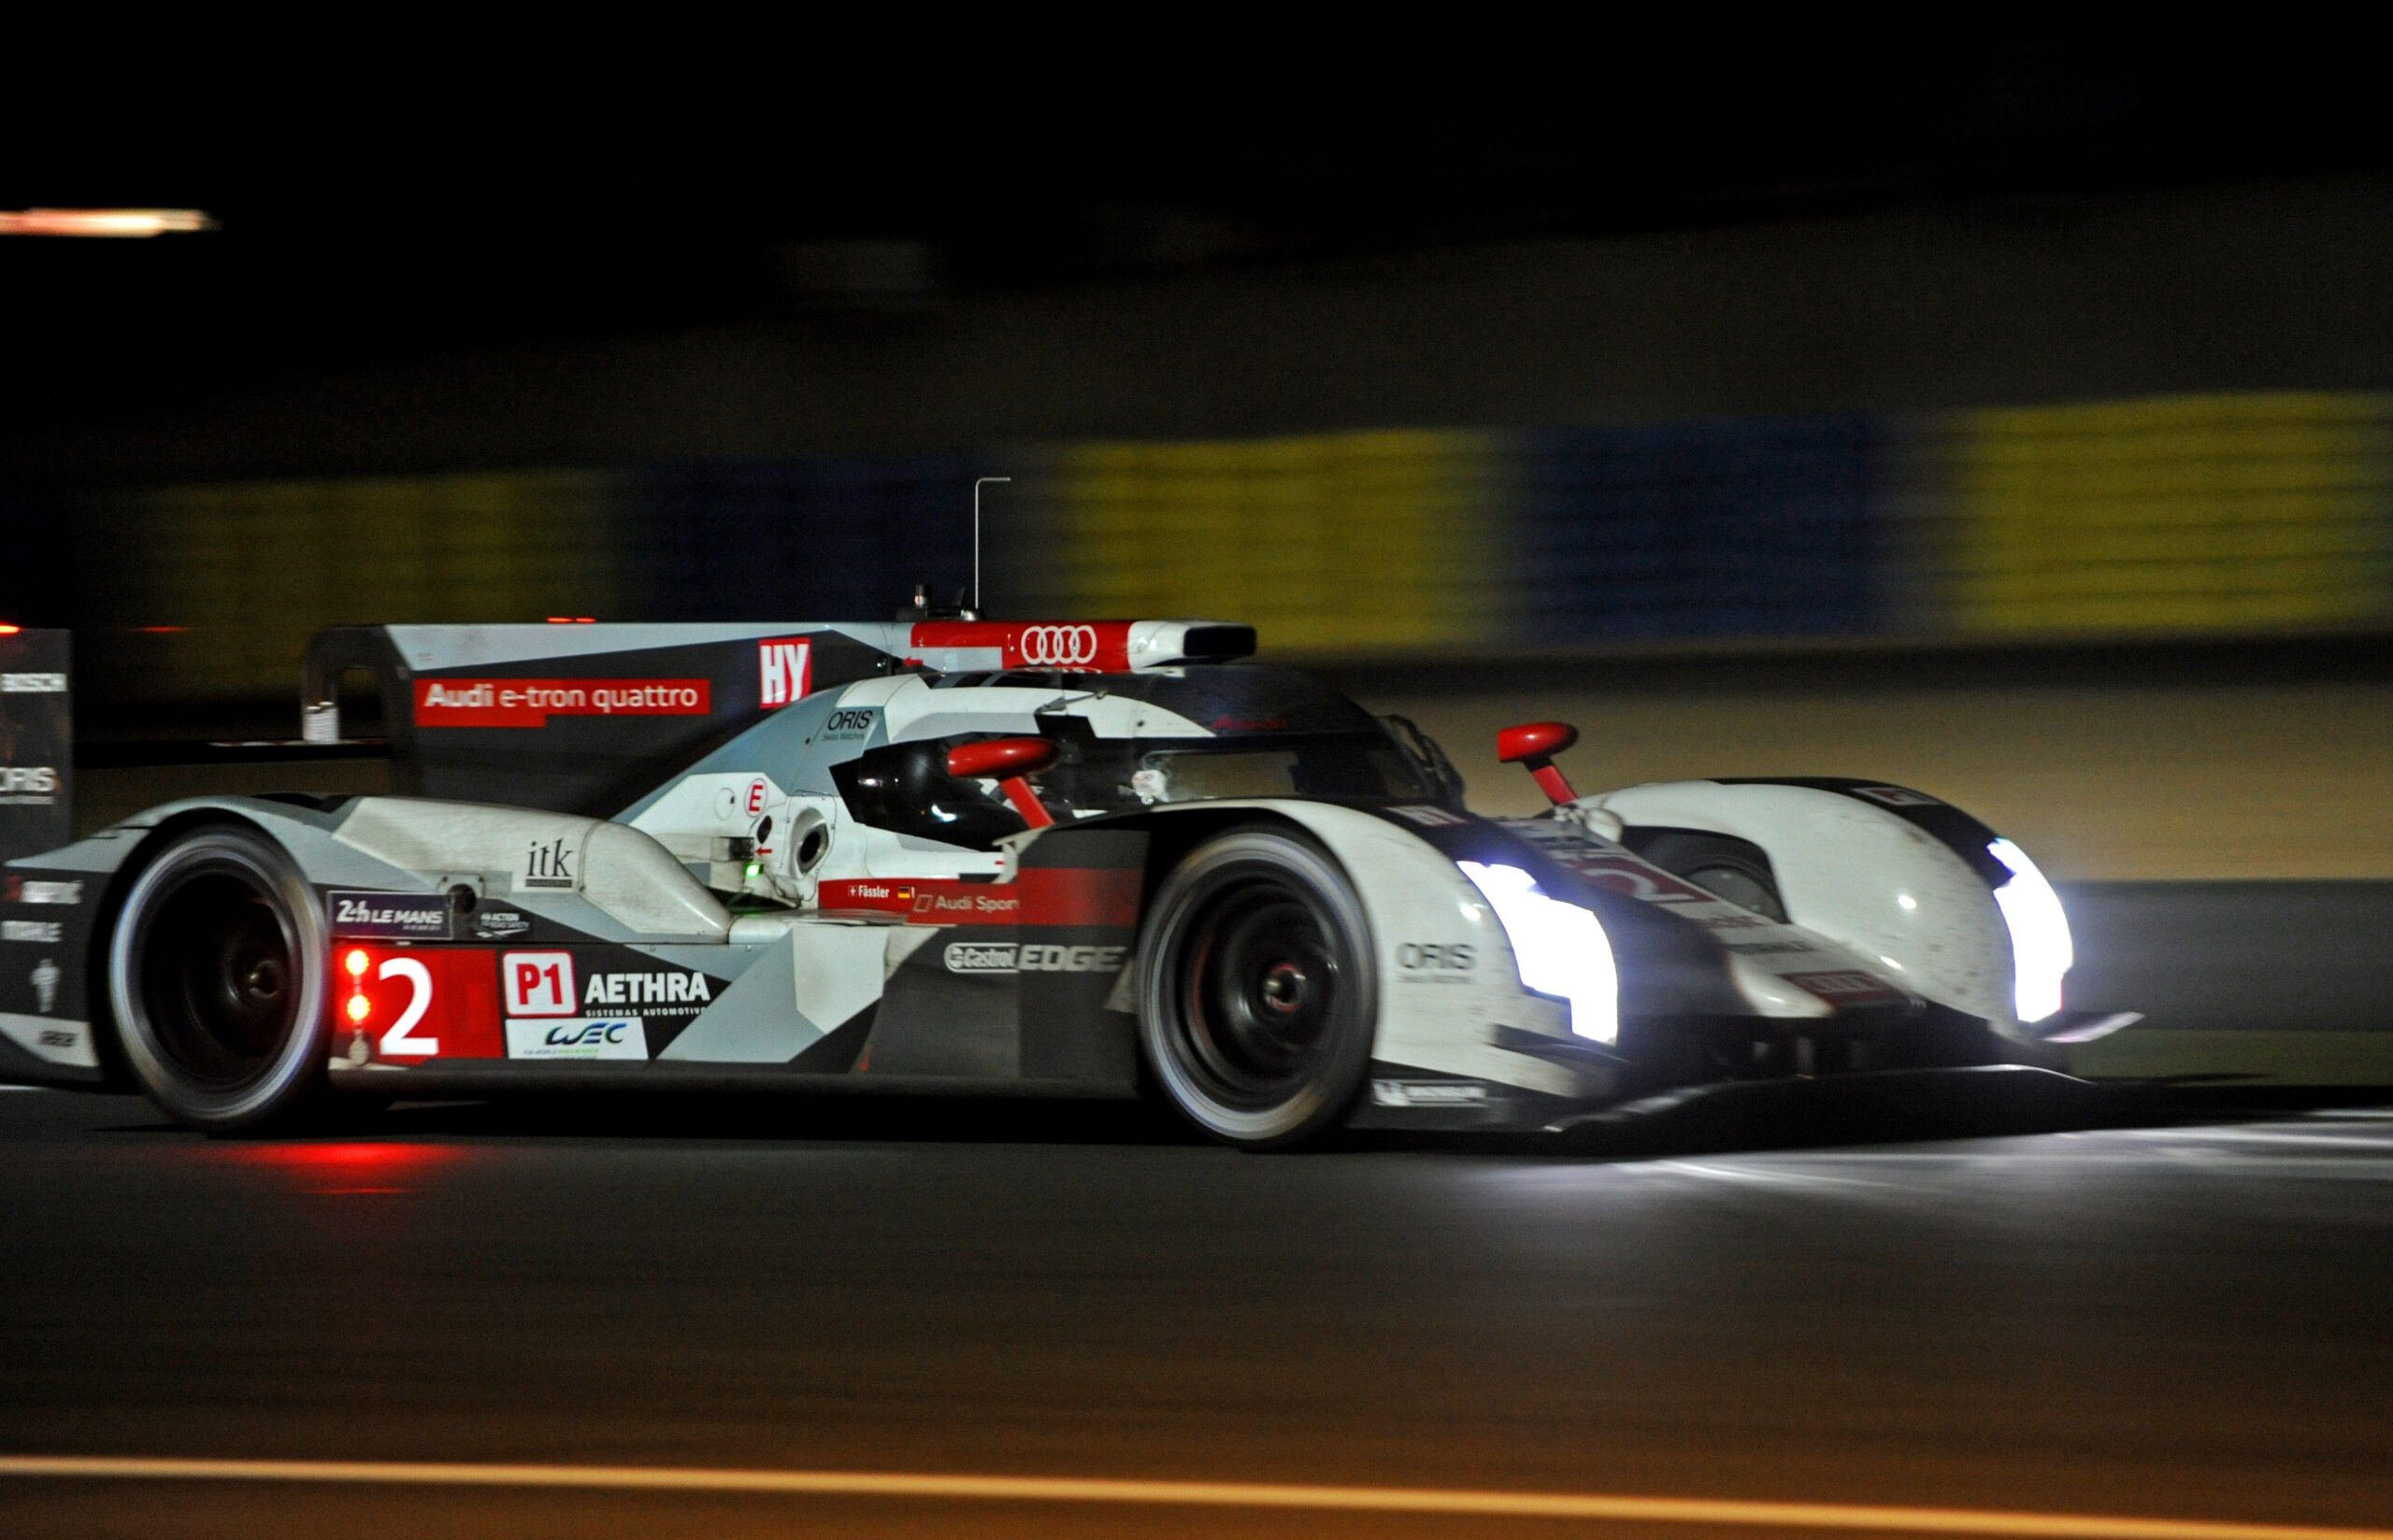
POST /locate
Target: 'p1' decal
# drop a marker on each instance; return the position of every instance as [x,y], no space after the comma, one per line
[538,983]
[785,670]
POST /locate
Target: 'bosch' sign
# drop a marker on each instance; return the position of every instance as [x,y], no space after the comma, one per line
[1057,646]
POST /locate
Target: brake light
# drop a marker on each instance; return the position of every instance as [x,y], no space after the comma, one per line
[359,1007]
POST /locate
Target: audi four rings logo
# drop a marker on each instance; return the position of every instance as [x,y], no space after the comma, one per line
[1058,644]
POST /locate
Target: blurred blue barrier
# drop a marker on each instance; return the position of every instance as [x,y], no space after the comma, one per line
[826,538]
[1731,527]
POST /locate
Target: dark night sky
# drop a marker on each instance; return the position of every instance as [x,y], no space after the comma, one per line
[407,219]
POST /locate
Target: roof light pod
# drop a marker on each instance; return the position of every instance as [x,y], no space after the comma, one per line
[1159,644]
[1074,646]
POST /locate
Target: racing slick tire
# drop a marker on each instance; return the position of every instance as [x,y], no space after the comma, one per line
[1256,1002]
[1728,868]
[216,973]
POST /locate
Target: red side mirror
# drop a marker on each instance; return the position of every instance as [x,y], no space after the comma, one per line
[1534,745]
[1533,741]
[1009,760]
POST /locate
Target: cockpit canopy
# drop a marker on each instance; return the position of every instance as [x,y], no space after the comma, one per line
[1247,730]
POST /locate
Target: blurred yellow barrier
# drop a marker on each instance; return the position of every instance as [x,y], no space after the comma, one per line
[262,566]
[1333,542]
[2225,512]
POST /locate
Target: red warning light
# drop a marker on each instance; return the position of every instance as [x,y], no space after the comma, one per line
[10,630]
[358,1007]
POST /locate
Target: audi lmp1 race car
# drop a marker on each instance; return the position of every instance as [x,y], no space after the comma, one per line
[968,855]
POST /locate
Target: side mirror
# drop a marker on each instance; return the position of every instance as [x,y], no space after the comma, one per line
[1534,745]
[1009,760]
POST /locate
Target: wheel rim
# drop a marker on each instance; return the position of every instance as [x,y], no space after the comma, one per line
[1745,889]
[218,976]
[1259,992]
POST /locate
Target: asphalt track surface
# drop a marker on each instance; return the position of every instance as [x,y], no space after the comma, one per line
[2185,1320]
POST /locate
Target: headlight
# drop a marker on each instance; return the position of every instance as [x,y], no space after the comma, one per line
[1559,947]
[2040,952]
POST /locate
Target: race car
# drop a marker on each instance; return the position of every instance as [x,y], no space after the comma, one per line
[955,854]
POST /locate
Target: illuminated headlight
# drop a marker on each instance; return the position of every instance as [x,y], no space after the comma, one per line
[1559,947]
[2039,948]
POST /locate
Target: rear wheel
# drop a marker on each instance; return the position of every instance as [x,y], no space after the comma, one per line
[1256,1001]
[216,974]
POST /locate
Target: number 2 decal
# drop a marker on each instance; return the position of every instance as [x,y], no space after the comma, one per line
[397,1041]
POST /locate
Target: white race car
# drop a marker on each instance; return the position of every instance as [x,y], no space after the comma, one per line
[965,855]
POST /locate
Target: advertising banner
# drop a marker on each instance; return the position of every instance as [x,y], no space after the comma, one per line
[37,748]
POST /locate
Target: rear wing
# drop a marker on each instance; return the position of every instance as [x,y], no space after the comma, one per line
[581,718]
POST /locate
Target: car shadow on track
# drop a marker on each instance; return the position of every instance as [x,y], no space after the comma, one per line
[1909,1106]
[831,1118]
[1903,1107]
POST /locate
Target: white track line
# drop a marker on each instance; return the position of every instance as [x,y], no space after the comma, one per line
[1205,1494]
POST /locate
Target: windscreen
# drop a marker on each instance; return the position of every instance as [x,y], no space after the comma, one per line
[1114,775]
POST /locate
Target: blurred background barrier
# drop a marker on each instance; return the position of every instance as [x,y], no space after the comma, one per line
[1736,528]
[2231,512]
[2241,513]
[1328,544]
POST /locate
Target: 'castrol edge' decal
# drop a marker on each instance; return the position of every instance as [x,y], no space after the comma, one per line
[530,703]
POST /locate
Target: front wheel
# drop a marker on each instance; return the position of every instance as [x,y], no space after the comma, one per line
[217,976]
[1256,1001]
[1734,869]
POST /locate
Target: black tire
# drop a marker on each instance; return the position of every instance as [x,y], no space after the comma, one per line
[217,974]
[1734,869]
[1256,997]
